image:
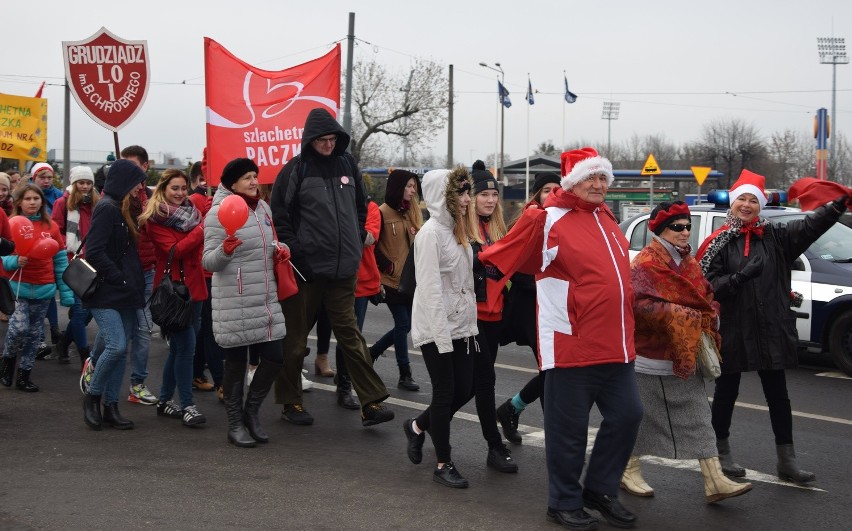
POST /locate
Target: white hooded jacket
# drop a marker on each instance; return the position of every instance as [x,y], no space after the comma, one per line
[444,302]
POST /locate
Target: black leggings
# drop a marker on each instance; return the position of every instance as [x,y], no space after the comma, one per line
[452,380]
[774,389]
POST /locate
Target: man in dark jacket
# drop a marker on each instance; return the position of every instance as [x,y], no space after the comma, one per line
[319,209]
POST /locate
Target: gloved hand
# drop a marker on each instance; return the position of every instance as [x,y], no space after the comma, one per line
[282,253]
[841,203]
[369,240]
[230,243]
[753,267]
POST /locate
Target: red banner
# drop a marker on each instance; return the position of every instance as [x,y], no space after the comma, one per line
[108,76]
[259,114]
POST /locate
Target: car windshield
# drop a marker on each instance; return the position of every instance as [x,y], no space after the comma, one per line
[834,245]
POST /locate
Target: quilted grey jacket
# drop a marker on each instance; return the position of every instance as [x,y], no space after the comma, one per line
[244,296]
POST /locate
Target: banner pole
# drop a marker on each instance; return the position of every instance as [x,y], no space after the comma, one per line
[115,140]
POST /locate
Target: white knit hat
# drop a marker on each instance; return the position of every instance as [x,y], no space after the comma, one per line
[82,173]
[41,166]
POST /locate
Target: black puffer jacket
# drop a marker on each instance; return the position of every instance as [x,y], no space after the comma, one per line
[110,248]
[757,325]
[319,205]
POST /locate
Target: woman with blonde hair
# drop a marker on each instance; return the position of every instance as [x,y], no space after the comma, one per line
[73,214]
[401,219]
[443,316]
[174,226]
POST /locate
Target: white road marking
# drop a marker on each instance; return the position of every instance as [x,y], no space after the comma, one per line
[834,374]
[535,437]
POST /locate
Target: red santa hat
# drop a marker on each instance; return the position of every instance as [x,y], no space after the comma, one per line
[40,167]
[749,183]
[579,164]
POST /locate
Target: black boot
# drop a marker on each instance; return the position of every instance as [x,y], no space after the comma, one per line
[112,417]
[405,380]
[235,374]
[23,382]
[788,468]
[62,348]
[262,382]
[729,467]
[56,336]
[84,353]
[344,392]
[92,411]
[7,370]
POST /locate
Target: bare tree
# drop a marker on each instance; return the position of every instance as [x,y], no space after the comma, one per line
[792,155]
[730,146]
[547,148]
[410,106]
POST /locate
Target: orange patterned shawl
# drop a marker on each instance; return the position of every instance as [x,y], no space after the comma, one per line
[673,305]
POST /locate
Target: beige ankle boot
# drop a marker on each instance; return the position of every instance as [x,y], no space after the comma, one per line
[321,366]
[717,486]
[632,481]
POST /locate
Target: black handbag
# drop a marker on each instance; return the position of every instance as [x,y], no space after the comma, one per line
[80,276]
[7,298]
[407,279]
[170,303]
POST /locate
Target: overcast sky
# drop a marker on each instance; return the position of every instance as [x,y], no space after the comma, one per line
[673,65]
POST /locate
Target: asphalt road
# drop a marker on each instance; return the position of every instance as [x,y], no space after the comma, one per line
[55,473]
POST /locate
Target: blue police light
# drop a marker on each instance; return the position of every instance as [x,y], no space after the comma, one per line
[719,198]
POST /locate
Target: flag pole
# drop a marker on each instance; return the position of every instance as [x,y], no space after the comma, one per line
[564,105]
[529,104]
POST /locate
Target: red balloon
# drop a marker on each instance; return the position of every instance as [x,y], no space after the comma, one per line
[23,234]
[44,248]
[233,213]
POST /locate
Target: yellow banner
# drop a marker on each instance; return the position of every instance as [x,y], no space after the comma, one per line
[23,127]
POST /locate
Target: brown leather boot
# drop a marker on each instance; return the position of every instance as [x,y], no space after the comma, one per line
[321,366]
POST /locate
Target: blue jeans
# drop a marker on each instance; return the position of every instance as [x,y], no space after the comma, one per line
[76,330]
[398,336]
[26,325]
[142,337]
[178,368]
[115,327]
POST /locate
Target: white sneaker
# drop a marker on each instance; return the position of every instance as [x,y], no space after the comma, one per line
[307,385]
[250,374]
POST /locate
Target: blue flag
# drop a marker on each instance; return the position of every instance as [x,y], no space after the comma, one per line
[530,97]
[570,97]
[503,94]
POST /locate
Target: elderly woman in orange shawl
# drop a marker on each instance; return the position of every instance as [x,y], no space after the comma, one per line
[674,305]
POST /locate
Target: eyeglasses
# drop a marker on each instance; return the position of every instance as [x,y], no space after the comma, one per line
[679,227]
[326,140]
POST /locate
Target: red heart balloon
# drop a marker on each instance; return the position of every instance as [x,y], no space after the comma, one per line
[233,213]
[23,234]
[43,249]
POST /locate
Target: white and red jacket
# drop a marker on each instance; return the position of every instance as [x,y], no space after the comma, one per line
[582,269]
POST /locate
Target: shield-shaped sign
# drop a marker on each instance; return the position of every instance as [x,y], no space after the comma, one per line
[108,76]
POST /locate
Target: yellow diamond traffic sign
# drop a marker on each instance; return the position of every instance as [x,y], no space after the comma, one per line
[651,167]
[701,173]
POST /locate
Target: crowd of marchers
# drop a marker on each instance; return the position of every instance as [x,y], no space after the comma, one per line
[636,339]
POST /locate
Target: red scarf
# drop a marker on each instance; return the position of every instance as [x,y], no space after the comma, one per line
[250,201]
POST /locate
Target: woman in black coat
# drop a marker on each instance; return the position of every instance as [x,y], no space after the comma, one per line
[111,250]
[748,262]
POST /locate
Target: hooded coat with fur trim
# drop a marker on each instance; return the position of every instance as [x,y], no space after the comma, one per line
[444,306]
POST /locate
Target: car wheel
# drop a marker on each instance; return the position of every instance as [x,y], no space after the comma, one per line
[840,342]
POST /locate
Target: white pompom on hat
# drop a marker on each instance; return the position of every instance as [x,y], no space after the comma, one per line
[40,167]
[749,183]
[82,173]
[579,164]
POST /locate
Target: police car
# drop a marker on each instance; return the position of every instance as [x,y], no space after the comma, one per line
[823,274]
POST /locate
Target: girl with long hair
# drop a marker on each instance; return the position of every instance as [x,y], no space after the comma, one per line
[443,316]
[111,250]
[173,224]
[401,219]
[73,214]
[36,284]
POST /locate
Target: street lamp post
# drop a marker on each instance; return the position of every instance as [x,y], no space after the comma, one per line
[832,51]
[499,69]
[610,113]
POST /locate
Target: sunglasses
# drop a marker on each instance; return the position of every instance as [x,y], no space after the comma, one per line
[679,227]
